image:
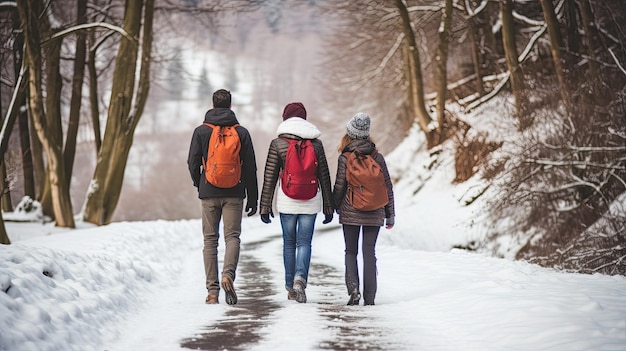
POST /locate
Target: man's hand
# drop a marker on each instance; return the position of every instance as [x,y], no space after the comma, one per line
[328,218]
[266,217]
[251,210]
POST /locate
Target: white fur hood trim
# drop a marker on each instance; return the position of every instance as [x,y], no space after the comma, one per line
[299,127]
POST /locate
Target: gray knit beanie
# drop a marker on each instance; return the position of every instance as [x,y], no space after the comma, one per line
[359,126]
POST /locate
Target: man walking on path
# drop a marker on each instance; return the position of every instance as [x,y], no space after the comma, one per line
[222,203]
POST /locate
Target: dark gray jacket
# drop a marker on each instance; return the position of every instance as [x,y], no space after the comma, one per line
[275,163]
[347,213]
[248,185]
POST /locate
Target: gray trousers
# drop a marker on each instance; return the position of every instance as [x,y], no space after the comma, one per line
[228,209]
[351,239]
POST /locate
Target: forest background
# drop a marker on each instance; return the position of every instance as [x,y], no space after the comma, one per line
[95,100]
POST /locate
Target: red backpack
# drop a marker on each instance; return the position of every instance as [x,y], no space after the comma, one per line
[222,166]
[367,190]
[299,175]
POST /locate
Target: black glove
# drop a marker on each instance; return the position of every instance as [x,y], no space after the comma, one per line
[251,210]
[328,218]
[265,217]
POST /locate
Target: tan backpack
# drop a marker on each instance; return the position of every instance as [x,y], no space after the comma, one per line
[366,182]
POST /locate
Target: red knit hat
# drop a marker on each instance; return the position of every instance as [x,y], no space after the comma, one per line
[294,109]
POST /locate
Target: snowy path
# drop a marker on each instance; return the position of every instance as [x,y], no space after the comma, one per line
[263,311]
[426,300]
[140,286]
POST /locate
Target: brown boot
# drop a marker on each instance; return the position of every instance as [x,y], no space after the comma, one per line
[291,294]
[229,289]
[298,286]
[211,299]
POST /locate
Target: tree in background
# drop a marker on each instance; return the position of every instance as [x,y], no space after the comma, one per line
[516,76]
[47,124]
[414,74]
[205,89]
[69,151]
[556,45]
[442,70]
[126,106]
[560,56]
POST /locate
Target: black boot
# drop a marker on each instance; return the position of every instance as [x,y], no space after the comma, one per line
[354,298]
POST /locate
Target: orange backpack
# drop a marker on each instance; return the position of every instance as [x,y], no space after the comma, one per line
[222,166]
[366,182]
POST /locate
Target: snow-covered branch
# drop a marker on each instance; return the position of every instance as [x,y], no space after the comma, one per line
[575,163]
[490,95]
[473,12]
[433,8]
[617,61]
[12,4]
[5,132]
[586,148]
[93,25]
[527,20]
[531,43]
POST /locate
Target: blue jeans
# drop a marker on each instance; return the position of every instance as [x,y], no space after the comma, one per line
[297,236]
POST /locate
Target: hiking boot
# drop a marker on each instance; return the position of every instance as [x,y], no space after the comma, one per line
[211,299]
[298,287]
[229,289]
[354,299]
[291,295]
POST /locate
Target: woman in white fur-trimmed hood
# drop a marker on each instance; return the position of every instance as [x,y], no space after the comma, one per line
[297,216]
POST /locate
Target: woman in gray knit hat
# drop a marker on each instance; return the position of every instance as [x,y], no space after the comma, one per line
[354,221]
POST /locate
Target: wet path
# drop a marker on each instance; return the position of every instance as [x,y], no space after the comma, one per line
[349,327]
[241,325]
[354,328]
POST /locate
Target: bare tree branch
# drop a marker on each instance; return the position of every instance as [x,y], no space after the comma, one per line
[92,25]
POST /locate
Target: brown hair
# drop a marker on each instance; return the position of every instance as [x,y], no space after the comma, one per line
[345,140]
[221,98]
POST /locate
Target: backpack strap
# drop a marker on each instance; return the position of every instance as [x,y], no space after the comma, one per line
[212,126]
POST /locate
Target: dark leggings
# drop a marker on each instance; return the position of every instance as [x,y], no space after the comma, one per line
[351,239]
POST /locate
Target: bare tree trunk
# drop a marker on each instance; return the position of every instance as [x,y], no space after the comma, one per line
[69,151]
[490,54]
[45,127]
[122,119]
[510,50]
[573,37]
[556,43]
[4,237]
[5,202]
[7,205]
[93,93]
[471,29]
[22,117]
[442,72]
[416,84]
[587,19]
[27,159]
[39,167]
